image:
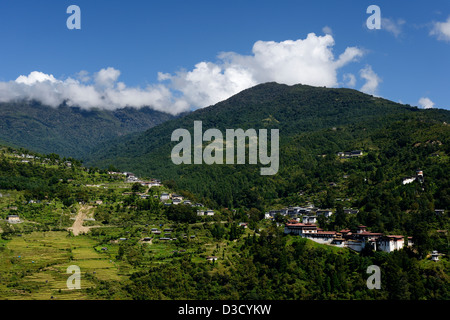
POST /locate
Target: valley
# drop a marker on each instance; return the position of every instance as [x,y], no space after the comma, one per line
[140,227]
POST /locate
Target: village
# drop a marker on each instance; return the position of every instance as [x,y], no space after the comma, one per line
[302,220]
[166,198]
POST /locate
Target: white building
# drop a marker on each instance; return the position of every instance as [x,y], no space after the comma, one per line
[408,180]
[177,197]
[309,219]
[325,213]
[392,242]
[435,256]
[13,218]
[164,196]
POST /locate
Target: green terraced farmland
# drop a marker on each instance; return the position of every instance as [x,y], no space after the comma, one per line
[34,266]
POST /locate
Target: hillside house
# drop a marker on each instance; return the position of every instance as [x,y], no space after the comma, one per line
[342,154]
[300,228]
[164,196]
[419,175]
[356,153]
[310,231]
[345,238]
[392,242]
[176,201]
[309,219]
[351,154]
[361,229]
[434,256]
[177,197]
[209,212]
[13,218]
[325,213]
[212,258]
[351,211]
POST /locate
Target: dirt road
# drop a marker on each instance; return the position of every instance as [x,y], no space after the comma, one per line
[78,227]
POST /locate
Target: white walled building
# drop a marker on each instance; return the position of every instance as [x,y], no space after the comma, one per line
[392,242]
[164,196]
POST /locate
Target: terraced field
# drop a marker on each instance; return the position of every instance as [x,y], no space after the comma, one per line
[34,266]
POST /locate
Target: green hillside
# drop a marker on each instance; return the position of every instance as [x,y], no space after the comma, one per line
[312,122]
[122,257]
[70,131]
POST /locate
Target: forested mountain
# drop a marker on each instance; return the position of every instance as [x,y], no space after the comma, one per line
[70,131]
[314,124]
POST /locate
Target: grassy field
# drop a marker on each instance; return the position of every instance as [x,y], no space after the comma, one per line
[33,266]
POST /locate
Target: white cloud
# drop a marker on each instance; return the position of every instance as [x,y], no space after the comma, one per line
[104,93]
[327,30]
[392,26]
[106,77]
[308,61]
[372,80]
[441,30]
[426,103]
[350,80]
[83,76]
[35,77]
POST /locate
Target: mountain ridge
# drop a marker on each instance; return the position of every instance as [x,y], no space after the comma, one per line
[311,121]
[70,131]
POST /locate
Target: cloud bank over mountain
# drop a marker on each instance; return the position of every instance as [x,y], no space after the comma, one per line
[308,61]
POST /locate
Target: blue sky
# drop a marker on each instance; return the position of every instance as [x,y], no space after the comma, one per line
[153,49]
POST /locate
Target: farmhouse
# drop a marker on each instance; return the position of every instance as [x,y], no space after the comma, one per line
[177,197]
[212,258]
[325,213]
[13,218]
[164,196]
[351,154]
[435,256]
[351,211]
